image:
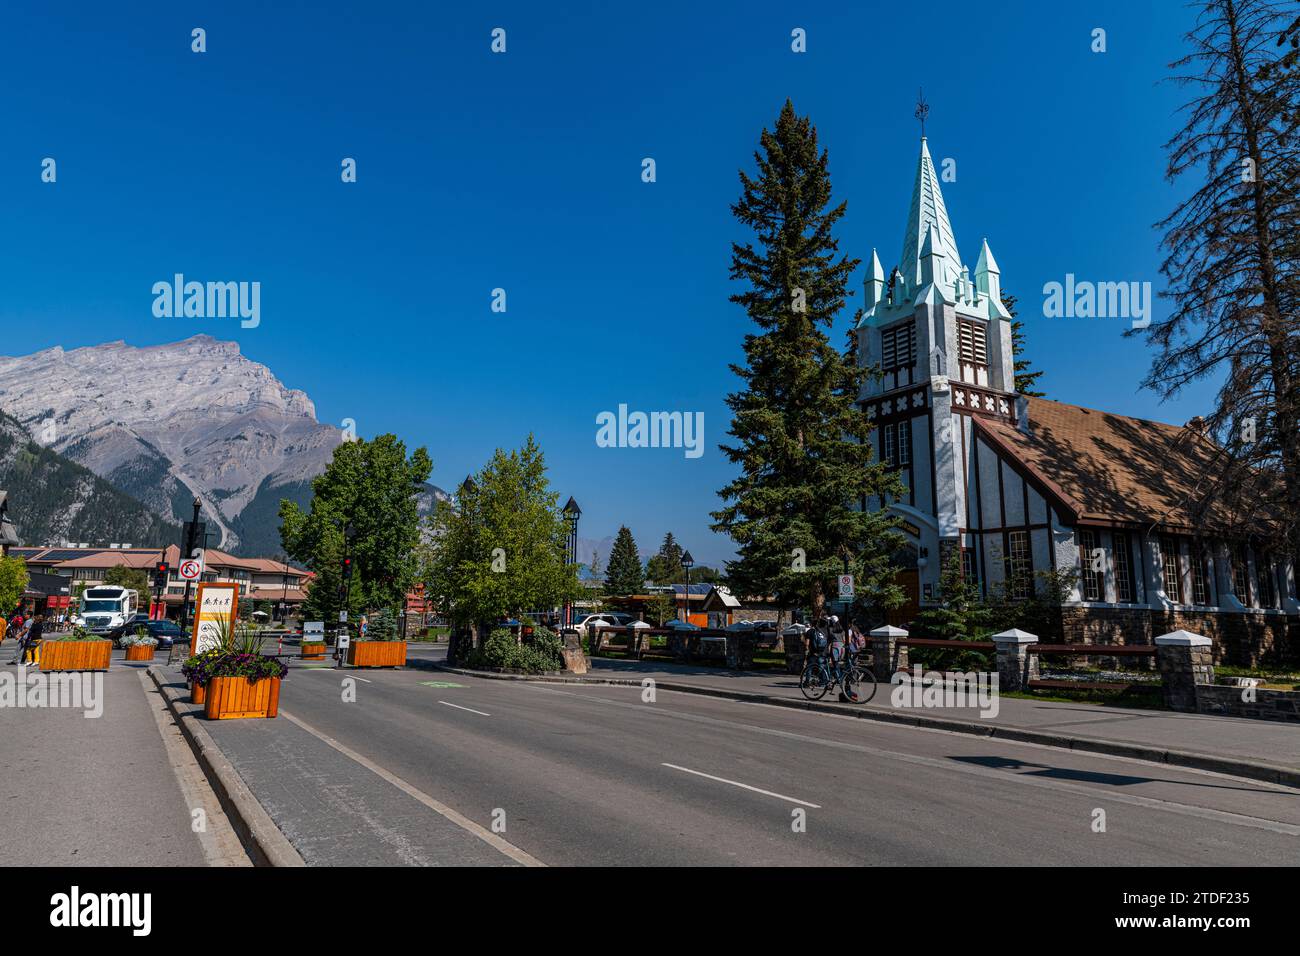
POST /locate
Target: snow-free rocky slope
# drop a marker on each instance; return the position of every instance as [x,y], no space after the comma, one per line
[167,422]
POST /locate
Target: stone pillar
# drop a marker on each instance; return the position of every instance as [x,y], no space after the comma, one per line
[1185,660]
[1016,666]
[888,656]
[575,662]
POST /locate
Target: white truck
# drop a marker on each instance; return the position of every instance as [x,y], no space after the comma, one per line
[106,606]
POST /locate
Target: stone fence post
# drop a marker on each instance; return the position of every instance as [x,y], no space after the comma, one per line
[887,654]
[1185,660]
[1016,666]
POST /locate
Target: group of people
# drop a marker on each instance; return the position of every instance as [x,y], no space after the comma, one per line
[838,636]
[27,631]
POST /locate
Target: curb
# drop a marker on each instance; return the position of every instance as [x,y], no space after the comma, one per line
[1268,773]
[261,838]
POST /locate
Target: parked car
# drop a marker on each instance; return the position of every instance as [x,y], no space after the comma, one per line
[166,632]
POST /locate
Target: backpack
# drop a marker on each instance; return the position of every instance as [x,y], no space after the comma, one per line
[817,642]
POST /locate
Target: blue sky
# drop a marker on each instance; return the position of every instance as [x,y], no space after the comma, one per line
[522,171]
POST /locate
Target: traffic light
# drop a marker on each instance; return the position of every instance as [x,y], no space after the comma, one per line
[347,569]
[160,572]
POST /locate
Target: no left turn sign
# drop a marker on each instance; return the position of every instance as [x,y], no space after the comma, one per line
[191,569]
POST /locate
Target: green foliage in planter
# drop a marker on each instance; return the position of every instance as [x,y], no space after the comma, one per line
[543,651]
[76,634]
[382,626]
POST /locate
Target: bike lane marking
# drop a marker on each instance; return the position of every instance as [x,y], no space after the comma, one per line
[459,707]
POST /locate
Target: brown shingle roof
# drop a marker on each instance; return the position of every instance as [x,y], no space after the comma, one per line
[1107,467]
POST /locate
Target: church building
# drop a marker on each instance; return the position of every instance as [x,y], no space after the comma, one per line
[1025,485]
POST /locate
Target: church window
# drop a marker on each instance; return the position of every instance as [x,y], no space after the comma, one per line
[904,443]
[1169,568]
[1200,579]
[1241,575]
[973,346]
[1020,566]
[1267,584]
[1124,590]
[891,438]
[1093,581]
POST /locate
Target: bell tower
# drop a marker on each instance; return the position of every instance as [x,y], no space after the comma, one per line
[941,339]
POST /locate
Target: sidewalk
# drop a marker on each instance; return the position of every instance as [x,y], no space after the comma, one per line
[1254,748]
[92,790]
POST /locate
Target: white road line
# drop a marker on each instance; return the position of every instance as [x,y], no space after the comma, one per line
[744,786]
[988,773]
[470,709]
[334,670]
[488,837]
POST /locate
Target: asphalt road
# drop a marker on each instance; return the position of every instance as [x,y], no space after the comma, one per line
[573,775]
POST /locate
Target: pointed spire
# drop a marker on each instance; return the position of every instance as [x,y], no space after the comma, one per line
[987,274]
[875,284]
[928,211]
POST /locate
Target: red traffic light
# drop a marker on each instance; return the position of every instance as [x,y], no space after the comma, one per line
[162,567]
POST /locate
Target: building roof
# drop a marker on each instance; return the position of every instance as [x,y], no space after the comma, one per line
[107,558]
[1104,467]
[927,211]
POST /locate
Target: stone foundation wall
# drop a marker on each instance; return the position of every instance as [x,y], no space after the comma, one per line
[1220,699]
[1242,640]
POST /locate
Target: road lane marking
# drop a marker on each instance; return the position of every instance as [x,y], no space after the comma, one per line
[459,707]
[328,669]
[1152,803]
[744,786]
[487,836]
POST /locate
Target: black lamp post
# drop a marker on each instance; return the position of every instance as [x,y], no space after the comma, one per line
[687,563]
[571,513]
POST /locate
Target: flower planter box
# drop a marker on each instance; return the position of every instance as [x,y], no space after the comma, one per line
[236,697]
[140,652]
[377,654]
[313,652]
[76,655]
[198,693]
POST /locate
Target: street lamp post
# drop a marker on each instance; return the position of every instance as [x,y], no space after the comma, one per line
[687,563]
[191,533]
[571,513]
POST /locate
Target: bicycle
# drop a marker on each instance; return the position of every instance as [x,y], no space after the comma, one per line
[857,681]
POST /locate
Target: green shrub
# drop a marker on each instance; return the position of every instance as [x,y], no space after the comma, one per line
[382,626]
[543,651]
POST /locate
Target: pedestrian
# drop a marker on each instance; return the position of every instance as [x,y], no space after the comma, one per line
[29,641]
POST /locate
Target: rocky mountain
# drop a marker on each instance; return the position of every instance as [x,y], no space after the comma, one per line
[53,500]
[167,423]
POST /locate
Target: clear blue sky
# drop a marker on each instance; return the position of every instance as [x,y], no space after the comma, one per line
[522,171]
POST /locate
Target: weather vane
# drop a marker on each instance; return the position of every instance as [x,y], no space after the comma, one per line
[922,109]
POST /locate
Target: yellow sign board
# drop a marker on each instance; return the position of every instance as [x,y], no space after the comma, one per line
[216,602]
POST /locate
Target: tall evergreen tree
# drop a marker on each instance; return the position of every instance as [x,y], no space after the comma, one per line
[624,574]
[1025,379]
[1232,269]
[665,567]
[800,437]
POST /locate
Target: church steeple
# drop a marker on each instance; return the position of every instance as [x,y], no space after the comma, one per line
[928,211]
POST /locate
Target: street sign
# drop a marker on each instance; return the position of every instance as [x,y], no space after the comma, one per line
[216,602]
[846,587]
[191,569]
[313,629]
[343,617]
[342,641]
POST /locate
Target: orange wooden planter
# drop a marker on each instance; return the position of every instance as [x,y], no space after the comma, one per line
[140,652]
[313,652]
[233,697]
[76,655]
[198,693]
[377,654]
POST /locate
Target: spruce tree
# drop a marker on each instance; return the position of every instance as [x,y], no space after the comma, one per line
[666,565]
[801,440]
[1025,379]
[624,574]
